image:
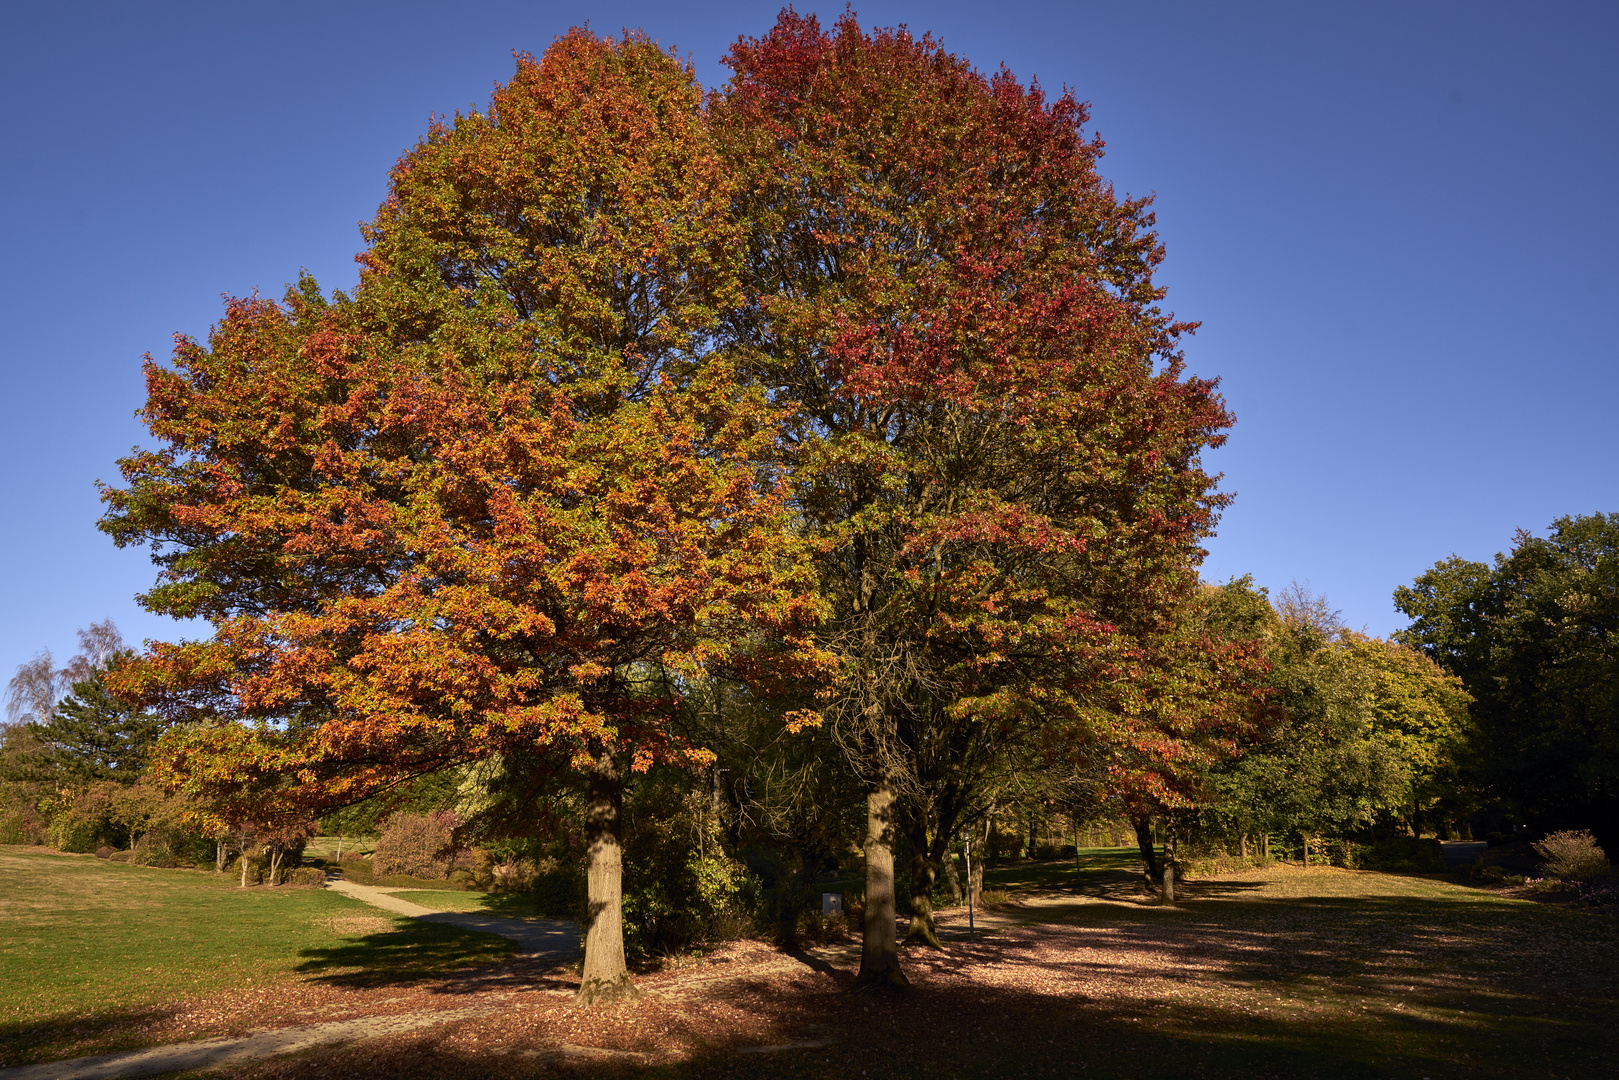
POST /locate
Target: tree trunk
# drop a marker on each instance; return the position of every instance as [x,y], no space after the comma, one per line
[924,873]
[975,872]
[952,877]
[605,979]
[275,864]
[244,869]
[219,856]
[1242,840]
[1149,853]
[879,949]
[1169,883]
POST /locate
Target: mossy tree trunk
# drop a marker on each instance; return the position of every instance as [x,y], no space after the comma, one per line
[606,978]
[925,864]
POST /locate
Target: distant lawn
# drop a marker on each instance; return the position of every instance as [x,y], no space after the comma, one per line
[82,937]
[1062,874]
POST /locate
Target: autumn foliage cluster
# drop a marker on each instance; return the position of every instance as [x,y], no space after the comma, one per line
[845,388]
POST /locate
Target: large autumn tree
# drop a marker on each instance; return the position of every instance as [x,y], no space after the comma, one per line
[994,442]
[500,502]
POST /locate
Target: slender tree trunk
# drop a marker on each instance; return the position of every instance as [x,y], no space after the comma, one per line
[605,979]
[975,873]
[1242,841]
[952,876]
[219,856]
[275,864]
[244,869]
[1149,853]
[879,951]
[1168,890]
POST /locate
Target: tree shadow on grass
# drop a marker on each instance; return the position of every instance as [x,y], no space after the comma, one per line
[23,1042]
[416,953]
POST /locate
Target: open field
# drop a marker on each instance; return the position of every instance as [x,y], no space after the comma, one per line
[1280,972]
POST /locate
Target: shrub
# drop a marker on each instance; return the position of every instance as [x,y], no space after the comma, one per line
[559,894]
[420,845]
[163,848]
[22,826]
[1596,894]
[1572,855]
[104,852]
[73,830]
[513,875]
[304,875]
[1217,863]
[679,885]
[119,856]
[1401,855]
[813,927]
[462,879]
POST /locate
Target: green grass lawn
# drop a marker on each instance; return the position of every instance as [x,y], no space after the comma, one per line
[83,937]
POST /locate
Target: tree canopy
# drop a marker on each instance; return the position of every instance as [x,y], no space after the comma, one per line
[847,385]
[1535,640]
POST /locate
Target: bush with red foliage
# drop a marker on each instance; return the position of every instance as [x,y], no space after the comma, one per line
[420,845]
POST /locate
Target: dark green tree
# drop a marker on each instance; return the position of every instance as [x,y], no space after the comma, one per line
[1535,640]
[91,735]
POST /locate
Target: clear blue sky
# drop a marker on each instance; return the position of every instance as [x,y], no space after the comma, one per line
[1396,221]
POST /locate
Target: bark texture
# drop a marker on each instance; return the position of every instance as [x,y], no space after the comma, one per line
[879,949]
[606,979]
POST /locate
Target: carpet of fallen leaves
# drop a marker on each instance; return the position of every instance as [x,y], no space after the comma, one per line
[1282,972]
